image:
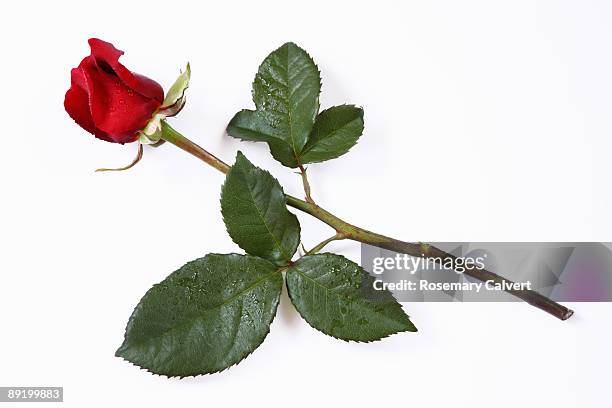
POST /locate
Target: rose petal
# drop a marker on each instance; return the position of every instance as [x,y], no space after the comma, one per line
[115,108]
[76,103]
[107,58]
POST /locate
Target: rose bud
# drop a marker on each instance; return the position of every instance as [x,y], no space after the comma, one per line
[108,100]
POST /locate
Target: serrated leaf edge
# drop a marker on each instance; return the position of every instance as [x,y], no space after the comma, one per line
[296,154]
[306,150]
[292,214]
[180,377]
[340,338]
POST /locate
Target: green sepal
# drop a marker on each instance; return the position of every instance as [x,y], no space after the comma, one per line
[176,94]
[171,106]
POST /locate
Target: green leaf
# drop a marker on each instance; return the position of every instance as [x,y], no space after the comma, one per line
[255,213]
[249,126]
[335,131]
[286,95]
[205,317]
[336,296]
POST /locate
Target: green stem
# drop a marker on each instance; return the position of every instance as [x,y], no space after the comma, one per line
[349,231]
[322,244]
[172,136]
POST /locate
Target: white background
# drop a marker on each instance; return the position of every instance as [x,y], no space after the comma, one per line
[484,121]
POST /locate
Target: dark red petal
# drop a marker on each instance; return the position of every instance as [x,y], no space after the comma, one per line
[115,108]
[76,103]
[147,87]
[107,57]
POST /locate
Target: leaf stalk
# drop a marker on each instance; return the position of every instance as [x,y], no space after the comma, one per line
[306,184]
[322,244]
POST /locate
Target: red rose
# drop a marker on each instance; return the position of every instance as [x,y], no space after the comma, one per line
[107,99]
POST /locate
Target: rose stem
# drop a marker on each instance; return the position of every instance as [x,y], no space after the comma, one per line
[172,136]
[349,231]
